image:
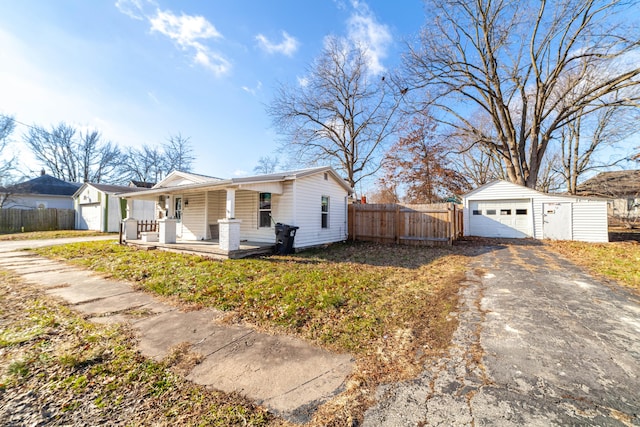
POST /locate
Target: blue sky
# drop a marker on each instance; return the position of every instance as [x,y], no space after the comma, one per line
[139,70]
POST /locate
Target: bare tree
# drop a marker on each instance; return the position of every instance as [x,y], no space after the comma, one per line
[71,155]
[7,126]
[584,139]
[144,164]
[266,165]
[97,160]
[178,154]
[340,114]
[531,66]
[55,150]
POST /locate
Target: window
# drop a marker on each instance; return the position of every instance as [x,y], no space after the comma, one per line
[477,212]
[631,203]
[264,209]
[505,211]
[178,209]
[521,211]
[491,211]
[325,212]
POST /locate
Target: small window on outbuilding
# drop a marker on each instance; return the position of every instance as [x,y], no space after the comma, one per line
[324,211]
[491,211]
[477,212]
[505,211]
[521,211]
[264,210]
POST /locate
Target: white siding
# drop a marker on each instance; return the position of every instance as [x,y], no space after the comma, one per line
[193,223]
[308,196]
[589,224]
[217,205]
[590,221]
[247,211]
[144,210]
[33,201]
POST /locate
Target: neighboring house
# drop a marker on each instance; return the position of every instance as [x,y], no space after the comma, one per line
[98,208]
[42,192]
[504,209]
[622,188]
[247,209]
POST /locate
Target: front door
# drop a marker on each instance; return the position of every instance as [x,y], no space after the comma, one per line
[556,219]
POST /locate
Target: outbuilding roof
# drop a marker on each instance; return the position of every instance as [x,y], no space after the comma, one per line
[45,185]
[611,184]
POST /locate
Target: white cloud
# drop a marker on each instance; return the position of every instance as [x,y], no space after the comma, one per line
[188,31]
[288,46]
[364,29]
[303,81]
[133,8]
[253,90]
[240,172]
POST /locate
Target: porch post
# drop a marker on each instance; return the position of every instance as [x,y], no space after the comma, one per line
[231,203]
[229,234]
[129,207]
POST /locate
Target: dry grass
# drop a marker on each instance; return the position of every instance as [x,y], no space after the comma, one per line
[58,369]
[57,234]
[389,306]
[619,261]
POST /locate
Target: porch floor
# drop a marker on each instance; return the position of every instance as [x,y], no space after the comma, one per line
[208,248]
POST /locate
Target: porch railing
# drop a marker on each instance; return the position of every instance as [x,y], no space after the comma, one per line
[148,225]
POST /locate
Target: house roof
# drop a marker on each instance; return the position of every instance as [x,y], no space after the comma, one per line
[524,192]
[611,184]
[45,185]
[141,184]
[204,181]
[108,188]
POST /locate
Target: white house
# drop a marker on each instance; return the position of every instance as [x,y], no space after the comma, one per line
[43,192]
[247,208]
[98,208]
[504,209]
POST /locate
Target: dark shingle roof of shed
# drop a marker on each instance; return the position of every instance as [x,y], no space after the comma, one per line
[611,184]
[45,184]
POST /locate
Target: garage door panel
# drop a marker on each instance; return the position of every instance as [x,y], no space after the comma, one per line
[90,217]
[500,218]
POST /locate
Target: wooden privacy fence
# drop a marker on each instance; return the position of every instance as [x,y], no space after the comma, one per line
[428,224]
[15,220]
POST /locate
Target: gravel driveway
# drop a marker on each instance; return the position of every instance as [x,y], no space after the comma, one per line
[539,342]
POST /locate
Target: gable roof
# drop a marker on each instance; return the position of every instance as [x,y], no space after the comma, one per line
[611,184]
[45,185]
[107,188]
[203,181]
[185,176]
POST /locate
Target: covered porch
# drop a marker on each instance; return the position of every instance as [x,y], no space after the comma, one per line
[218,218]
[206,248]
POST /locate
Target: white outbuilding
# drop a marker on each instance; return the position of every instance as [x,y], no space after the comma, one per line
[503,209]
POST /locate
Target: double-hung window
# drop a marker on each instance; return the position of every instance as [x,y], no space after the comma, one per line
[325,212]
[264,210]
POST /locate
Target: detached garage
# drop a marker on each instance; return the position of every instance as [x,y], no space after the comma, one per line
[504,209]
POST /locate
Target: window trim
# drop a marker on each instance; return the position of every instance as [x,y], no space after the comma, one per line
[177,213]
[261,209]
[324,212]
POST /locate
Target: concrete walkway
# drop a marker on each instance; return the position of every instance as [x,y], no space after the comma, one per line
[539,343]
[288,376]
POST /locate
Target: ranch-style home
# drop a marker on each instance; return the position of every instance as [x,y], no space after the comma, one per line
[503,209]
[192,207]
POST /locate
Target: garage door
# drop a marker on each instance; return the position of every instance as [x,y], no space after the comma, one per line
[90,217]
[500,218]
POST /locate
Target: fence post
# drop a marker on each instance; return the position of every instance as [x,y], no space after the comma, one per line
[398,224]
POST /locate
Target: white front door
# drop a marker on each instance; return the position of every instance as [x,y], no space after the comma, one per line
[556,221]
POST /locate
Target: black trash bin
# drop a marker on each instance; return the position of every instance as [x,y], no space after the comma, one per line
[285,235]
